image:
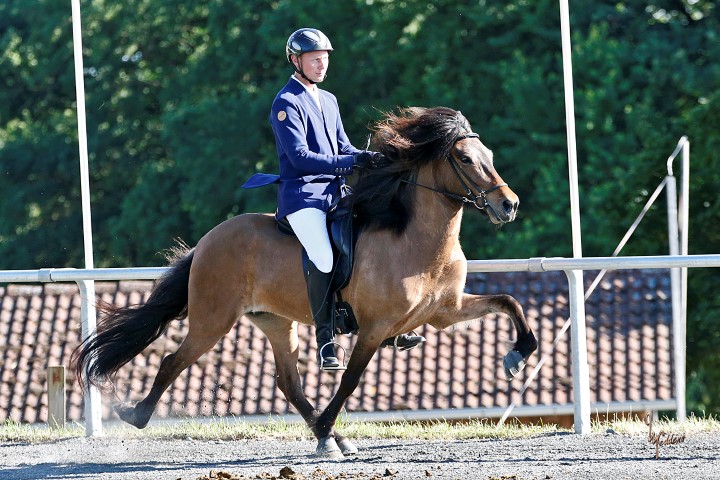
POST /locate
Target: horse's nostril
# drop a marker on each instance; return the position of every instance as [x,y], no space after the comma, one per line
[508,206]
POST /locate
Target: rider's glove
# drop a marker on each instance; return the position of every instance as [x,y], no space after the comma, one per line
[369,160]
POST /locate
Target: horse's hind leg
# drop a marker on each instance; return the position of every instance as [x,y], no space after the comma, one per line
[283,337]
[199,340]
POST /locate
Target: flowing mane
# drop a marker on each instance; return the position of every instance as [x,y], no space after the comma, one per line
[410,138]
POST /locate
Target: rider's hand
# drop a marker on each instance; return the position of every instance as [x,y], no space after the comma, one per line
[369,160]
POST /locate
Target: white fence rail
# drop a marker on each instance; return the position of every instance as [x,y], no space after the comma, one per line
[539,264]
[572,267]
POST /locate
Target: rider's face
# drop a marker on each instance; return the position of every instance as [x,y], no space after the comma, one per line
[314,64]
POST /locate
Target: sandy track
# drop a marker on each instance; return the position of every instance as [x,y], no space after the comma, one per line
[556,456]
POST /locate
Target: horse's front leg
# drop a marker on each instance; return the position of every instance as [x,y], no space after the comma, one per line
[330,443]
[472,307]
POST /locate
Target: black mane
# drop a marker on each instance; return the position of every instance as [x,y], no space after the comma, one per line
[409,139]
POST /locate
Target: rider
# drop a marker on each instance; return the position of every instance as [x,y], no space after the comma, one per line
[315,154]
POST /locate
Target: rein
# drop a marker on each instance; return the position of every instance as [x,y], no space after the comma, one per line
[469,196]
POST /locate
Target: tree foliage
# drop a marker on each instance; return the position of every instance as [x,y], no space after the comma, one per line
[178,95]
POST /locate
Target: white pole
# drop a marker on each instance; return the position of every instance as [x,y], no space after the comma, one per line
[581,375]
[675,281]
[684,222]
[93,424]
[570,126]
[678,242]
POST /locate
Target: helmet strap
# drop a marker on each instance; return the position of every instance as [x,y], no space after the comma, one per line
[304,76]
[299,70]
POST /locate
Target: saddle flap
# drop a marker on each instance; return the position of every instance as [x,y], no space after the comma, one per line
[341,232]
[343,239]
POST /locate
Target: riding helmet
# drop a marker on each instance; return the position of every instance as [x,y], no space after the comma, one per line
[306,40]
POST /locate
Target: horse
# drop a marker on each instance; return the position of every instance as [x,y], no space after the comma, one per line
[409,271]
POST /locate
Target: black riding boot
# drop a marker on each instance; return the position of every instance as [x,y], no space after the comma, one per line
[318,287]
[403,342]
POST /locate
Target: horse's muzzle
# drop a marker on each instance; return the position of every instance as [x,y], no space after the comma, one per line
[502,207]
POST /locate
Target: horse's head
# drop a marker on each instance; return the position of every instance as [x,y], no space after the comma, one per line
[470,176]
[437,140]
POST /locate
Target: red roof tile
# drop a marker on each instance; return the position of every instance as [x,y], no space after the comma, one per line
[629,351]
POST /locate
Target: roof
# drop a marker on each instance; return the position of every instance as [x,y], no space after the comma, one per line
[629,341]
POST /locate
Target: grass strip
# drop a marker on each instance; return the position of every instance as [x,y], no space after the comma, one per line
[227,429]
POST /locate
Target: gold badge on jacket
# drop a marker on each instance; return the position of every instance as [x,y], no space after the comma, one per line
[282,115]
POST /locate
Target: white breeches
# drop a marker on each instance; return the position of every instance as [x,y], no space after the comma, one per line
[310,227]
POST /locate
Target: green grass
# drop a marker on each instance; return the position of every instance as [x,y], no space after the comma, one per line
[635,425]
[11,431]
[224,429]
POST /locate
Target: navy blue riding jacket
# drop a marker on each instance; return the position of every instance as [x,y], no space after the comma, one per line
[314,150]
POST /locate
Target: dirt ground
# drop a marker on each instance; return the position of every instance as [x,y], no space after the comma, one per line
[556,456]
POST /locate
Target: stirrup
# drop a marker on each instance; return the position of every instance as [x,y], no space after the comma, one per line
[331,368]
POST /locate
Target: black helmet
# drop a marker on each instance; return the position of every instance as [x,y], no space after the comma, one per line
[306,40]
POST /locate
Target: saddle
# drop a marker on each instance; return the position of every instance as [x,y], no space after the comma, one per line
[343,236]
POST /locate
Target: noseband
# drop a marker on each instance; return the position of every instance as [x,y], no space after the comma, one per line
[479,201]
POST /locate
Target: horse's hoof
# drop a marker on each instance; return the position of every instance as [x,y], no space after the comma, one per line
[128,414]
[328,448]
[513,363]
[347,447]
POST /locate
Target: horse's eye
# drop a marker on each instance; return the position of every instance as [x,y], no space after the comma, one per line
[466,160]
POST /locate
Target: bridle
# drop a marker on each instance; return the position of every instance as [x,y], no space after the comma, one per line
[479,201]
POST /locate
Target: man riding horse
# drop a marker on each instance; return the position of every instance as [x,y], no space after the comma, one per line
[409,268]
[315,154]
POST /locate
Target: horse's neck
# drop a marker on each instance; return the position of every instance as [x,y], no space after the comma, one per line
[436,221]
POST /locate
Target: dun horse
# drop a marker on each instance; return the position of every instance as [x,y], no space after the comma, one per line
[409,271]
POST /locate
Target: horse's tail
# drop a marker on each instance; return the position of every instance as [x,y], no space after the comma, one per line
[124,332]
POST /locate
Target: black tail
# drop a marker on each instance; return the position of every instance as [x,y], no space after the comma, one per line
[123,333]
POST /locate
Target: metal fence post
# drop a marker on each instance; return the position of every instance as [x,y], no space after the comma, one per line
[678,328]
[93,402]
[578,339]
[678,243]
[684,223]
